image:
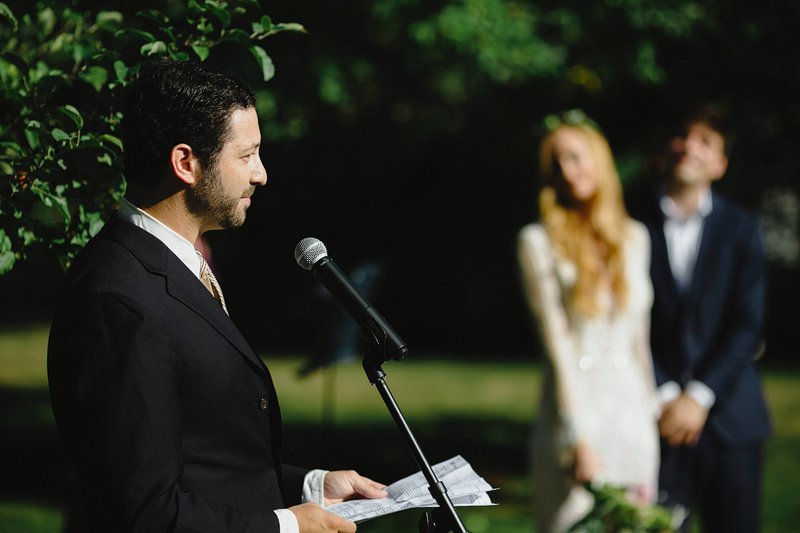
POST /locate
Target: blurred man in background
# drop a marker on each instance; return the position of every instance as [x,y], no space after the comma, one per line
[708,272]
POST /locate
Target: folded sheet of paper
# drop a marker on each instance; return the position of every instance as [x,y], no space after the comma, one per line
[464,487]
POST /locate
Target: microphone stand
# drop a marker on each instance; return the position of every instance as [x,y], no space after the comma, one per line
[443,518]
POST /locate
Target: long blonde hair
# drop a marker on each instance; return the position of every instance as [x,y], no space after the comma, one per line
[592,238]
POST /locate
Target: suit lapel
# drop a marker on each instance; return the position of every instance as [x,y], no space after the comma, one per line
[186,288]
[181,284]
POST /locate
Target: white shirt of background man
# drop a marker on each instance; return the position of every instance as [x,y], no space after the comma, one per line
[684,234]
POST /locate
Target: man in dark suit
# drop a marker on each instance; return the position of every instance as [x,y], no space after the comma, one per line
[708,272]
[171,418]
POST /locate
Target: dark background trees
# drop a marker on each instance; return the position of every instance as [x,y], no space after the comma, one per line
[405,131]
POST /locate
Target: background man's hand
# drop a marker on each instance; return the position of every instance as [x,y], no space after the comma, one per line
[314,519]
[682,421]
[343,485]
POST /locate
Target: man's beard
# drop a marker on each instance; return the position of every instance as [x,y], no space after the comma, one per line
[208,200]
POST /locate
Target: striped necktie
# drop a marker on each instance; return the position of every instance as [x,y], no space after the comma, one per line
[210,282]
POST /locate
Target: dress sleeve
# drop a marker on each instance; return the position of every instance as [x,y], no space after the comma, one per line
[546,302]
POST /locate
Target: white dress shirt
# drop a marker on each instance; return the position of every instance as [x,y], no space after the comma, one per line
[186,252]
[683,234]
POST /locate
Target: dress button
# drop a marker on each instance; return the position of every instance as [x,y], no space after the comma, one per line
[263,404]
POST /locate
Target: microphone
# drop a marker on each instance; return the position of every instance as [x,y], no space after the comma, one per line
[312,255]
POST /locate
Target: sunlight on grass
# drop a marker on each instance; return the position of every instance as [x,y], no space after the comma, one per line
[423,387]
[25,518]
[23,352]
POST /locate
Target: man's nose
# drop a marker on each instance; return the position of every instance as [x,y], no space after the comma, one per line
[692,143]
[260,176]
[678,144]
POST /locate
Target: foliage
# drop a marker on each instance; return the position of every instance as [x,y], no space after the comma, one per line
[62,70]
[614,511]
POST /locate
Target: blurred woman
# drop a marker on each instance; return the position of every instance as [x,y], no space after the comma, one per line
[585,270]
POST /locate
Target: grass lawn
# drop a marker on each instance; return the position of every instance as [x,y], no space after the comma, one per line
[482,409]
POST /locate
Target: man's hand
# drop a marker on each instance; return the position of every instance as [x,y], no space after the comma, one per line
[343,485]
[682,421]
[314,519]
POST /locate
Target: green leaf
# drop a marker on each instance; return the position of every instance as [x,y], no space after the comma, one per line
[47,20]
[133,32]
[108,19]
[96,222]
[43,195]
[32,136]
[288,26]
[7,260]
[265,28]
[154,48]
[73,114]
[218,11]
[6,169]
[179,55]
[105,159]
[153,15]
[5,12]
[201,51]
[95,76]
[204,26]
[17,61]
[41,190]
[264,61]
[112,139]
[121,70]
[63,208]
[194,6]
[237,35]
[28,237]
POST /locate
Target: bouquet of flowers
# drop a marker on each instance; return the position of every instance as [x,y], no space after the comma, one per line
[615,511]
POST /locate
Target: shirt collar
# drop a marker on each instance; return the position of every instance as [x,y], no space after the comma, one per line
[672,211]
[177,244]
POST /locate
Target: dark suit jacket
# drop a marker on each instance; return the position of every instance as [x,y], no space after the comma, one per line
[170,416]
[713,332]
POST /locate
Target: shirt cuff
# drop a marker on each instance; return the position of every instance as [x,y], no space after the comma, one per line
[701,393]
[668,391]
[314,487]
[287,521]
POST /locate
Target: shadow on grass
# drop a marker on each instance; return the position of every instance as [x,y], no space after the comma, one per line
[496,448]
[35,468]
[32,460]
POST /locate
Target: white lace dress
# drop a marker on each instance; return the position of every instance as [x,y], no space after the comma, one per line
[598,386]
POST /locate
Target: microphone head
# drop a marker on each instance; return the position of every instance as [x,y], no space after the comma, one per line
[309,251]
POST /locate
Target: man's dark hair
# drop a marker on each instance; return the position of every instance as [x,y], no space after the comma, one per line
[174,102]
[714,117]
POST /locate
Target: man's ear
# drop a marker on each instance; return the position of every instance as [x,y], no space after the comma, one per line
[184,164]
[720,168]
